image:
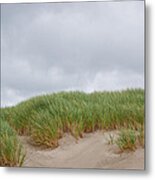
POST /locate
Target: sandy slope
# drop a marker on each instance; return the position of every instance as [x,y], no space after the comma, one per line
[92,151]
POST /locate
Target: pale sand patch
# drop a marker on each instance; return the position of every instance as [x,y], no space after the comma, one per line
[92,151]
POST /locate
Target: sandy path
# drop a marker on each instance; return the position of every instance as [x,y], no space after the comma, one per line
[92,151]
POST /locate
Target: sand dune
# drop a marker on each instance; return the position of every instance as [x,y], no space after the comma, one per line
[92,151]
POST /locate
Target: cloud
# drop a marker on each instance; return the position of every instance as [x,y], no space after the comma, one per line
[71,46]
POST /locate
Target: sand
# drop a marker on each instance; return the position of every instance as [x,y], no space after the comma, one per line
[92,151]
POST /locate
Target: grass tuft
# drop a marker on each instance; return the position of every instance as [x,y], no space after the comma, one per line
[11,151]
[127,140]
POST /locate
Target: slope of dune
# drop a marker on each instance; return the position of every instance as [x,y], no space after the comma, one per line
[92,151]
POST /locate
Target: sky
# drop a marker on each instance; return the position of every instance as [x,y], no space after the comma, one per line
[52,47]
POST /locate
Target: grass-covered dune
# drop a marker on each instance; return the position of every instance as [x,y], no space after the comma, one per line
[45,118]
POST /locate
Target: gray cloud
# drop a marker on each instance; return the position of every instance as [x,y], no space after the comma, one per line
[71,46]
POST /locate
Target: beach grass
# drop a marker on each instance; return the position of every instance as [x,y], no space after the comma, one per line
[127,140]
[130,139]
[11,150]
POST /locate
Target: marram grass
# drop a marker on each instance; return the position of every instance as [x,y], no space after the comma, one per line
[45,118]
[129,139]
[11,151]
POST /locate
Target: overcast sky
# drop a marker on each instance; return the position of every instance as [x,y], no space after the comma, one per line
[54,47]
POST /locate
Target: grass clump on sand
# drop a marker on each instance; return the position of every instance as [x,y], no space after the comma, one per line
[45,118]
[11,152]
[129,139]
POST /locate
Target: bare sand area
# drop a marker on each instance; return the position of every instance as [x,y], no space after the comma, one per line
[91,151]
